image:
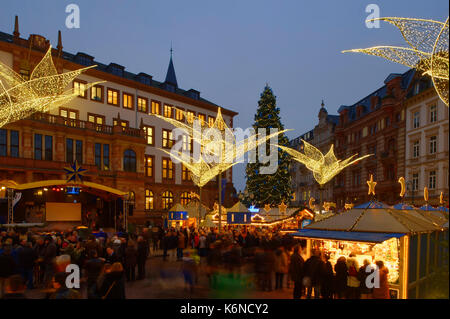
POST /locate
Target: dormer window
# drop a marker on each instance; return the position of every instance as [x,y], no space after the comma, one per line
[116,69]
[193,94]
[84,59]
[144,78]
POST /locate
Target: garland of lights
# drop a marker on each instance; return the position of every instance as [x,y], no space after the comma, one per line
[428,51]
[44,90]
[324,167]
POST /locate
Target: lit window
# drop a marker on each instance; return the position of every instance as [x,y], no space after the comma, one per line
[167,200]
[202,118]
[128,101]
[79,88]
[185,198]
[167,141]
[167,169]
[211,120]
[148,131]
[179,116]
[148,166]
[185,174]
[113,97]
[142,104]
[97,93]
[187,143]
[168,111]
[156,107]
[149,199]
[190,116]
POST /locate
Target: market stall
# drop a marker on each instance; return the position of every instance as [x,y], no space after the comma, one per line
[177,216]
[373,231]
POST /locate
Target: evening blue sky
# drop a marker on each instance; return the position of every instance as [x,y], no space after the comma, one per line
[229,49]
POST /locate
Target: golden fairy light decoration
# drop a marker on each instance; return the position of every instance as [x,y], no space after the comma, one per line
[324,167]
[45,90]
[441,198]
[282,208]
[401,180]
[425,194]
[428,50]
[348,206]
[225,149]
[371,183]
[312,203]
[267,208]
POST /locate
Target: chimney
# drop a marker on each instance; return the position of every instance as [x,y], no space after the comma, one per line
[59,46]
[16,33]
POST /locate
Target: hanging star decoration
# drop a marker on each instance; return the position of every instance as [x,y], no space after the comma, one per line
[372,185]
[428,50]
[267,208]
[45,90]
[401,180]
[348,206]
[216,155]
[323,167]
[282,208]
[75,173]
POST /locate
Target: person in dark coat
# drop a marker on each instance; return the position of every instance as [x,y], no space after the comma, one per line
[113,285]
[93,268]
[327,276]
[26,259]
[313,267]
[363,272]
[111,256]
[341,277]
[130,261]
[62,292]
[49,260]
[296,272]
[142,255]
[7,266]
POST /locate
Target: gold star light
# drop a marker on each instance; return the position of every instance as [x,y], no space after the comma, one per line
[282,208]
[372,185]
[324,167]
[267,208]
[428,50]
[45,90]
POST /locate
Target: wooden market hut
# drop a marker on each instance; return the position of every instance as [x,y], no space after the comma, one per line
[415,234]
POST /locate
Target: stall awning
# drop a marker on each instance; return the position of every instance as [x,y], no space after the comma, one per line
[345,235]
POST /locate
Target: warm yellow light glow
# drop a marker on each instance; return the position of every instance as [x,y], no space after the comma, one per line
[282,208]
[328,205]
[372,185]
[267,208]
[401,180]
[226,150]
[441,198]
[348,206]
[324,167]
[425,194]
[428,51]
[312,201]
[45,90]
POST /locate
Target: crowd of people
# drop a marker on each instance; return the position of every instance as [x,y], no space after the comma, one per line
[274,260]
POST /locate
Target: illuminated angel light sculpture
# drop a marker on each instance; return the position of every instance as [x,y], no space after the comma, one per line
[226,150]
[324,167]
[428,51]
[45,90]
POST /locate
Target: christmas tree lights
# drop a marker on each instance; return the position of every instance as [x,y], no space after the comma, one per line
[45,90]
[428,50]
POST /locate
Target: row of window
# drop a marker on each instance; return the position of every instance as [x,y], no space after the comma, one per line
[432,116]
[432,147]
[142,103]
[431,180]
[167,199]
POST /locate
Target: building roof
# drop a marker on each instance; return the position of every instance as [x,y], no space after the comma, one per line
[406,79]
[346,236]
[119,70]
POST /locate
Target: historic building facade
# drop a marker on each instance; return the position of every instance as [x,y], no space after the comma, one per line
[322,137]
[427,143]
[374,125]
[108,129]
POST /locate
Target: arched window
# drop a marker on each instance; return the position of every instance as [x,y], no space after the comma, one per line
[149,200]
[185,198]
[129,161]
[167,200]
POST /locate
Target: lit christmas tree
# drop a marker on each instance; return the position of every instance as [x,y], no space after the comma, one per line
[262,189]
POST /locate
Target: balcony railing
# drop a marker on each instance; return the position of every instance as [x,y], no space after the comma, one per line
[101,128]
